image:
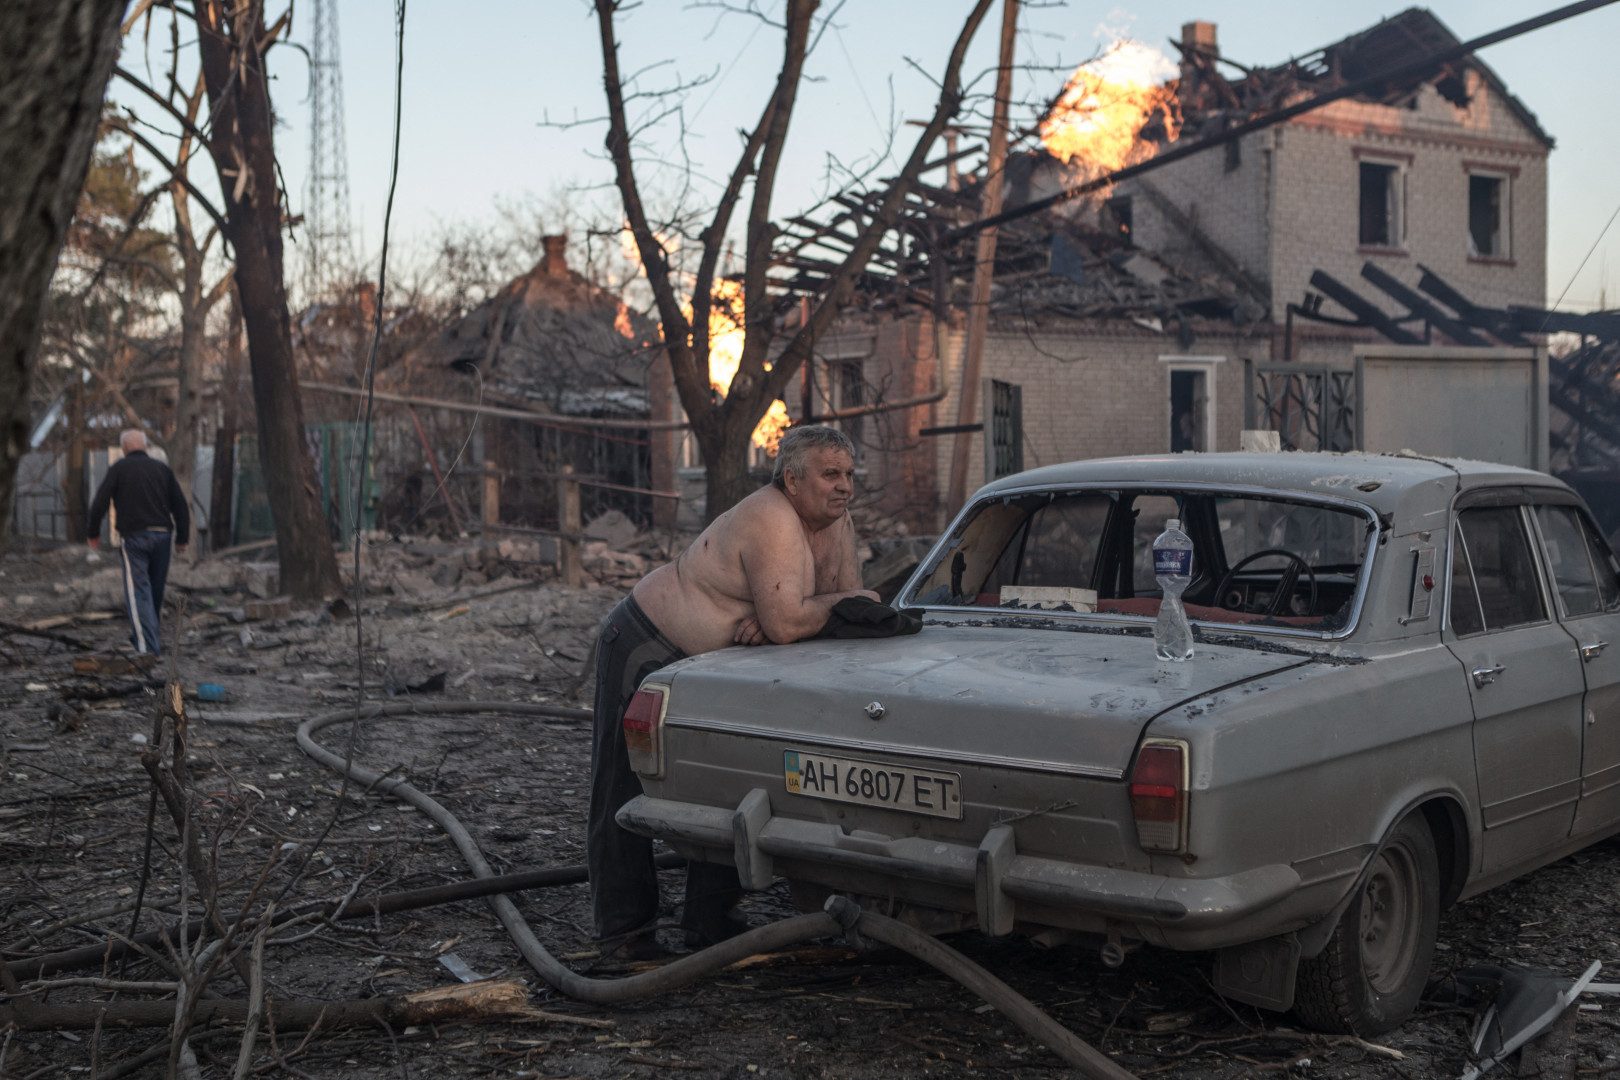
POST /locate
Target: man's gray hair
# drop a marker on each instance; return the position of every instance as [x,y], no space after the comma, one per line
[793,452]
[133,439]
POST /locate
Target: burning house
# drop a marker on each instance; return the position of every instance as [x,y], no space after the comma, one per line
[1150,317]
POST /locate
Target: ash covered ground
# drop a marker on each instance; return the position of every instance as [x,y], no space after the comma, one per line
[468,623]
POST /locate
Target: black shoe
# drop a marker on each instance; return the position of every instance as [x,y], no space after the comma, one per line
[634,945]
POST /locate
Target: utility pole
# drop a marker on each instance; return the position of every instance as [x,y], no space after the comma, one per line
[967,399]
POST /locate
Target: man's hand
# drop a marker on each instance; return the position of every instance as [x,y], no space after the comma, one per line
[749,632]
[95,543]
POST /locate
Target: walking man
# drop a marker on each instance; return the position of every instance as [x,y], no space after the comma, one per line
[769,569]
[149,508]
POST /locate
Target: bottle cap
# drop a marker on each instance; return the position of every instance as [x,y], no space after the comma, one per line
[1172,523]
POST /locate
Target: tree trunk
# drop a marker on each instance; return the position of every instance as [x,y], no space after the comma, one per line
[230,392]
[74,496]
[55,59]
[725,469]
[244,154]
[193,319]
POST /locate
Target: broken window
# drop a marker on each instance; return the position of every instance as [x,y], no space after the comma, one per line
[1380,189]
[1487,216]
[1116,217]
[1092,550]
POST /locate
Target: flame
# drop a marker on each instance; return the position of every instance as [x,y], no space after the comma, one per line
[726,337]
[621,322]
[772,427]
[632,252]
[1105,105]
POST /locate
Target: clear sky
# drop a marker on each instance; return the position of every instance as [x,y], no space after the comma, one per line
[480,79]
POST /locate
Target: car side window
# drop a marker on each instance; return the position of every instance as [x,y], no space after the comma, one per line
[1493,550]
[1604,563]
[1572,564]
[1061,547]
[1465,615]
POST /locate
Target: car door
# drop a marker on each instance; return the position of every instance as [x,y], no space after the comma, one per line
[1586,584]
[1524,678]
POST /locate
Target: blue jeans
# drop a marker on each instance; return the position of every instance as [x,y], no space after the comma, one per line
[146,568]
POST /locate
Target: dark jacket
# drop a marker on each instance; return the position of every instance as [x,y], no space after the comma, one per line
[146,495]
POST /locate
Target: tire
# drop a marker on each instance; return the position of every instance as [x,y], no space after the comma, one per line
[1369,977]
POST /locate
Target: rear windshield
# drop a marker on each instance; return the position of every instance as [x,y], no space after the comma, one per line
[1256,561]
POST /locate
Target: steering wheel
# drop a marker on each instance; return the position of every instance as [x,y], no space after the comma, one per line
[1285,587]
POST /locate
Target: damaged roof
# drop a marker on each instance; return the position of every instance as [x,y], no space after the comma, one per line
[1209,98]
[554,337]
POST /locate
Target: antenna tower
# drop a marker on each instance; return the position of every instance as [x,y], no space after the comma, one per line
[330,260]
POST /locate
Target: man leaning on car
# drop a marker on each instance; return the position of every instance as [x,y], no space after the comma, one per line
[770,569]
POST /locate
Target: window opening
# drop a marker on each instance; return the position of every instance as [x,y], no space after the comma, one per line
[1504,574]
[1465,616]
[1378,205]
[1571,563]
[852,394]
[1485,217]
[1116,218]
[1189,401]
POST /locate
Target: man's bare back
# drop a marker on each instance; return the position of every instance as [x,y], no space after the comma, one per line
[771,567]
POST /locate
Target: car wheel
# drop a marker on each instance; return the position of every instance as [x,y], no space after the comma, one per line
[1373,970]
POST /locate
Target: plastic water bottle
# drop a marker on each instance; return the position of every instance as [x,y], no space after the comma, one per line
[1172,565]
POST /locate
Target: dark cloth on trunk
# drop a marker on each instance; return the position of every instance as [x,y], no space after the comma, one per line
[863,617]
[624,883]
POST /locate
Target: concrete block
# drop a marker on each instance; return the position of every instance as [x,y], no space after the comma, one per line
[279,607]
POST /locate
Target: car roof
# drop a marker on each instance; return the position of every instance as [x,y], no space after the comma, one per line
[1346,476]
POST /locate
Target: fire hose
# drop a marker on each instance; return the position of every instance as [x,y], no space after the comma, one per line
[842,917]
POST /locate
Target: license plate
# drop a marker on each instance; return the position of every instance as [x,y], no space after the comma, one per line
[873,783]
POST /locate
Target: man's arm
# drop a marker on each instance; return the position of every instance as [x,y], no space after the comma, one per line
[98,506]
[775,554]
[180,512]
[838,567]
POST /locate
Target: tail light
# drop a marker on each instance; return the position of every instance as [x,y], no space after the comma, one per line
[644,730]
[1159,795]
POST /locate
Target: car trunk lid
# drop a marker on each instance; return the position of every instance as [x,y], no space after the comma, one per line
[1045,699]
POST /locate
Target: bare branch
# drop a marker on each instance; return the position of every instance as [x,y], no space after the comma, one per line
[843,280]
[186,122]
[175,172]
[654,258]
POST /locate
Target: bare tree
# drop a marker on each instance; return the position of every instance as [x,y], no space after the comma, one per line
[233,39]
[55,58]
[723,428]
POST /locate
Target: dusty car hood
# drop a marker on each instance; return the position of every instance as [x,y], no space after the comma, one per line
[1076,702]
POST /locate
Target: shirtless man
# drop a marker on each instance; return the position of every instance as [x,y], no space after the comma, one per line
[769,569]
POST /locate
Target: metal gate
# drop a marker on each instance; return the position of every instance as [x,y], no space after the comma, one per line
[1004,429]
[1311,406]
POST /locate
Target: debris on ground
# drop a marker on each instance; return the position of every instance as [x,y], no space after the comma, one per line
[84,740]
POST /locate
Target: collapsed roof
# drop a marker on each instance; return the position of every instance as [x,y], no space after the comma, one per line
[550,336]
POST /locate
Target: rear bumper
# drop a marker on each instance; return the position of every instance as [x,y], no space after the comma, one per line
[993,873]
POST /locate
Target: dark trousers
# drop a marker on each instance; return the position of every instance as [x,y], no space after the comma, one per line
[624,884]
[146,569]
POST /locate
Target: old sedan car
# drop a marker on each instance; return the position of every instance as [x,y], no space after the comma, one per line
[1401,695]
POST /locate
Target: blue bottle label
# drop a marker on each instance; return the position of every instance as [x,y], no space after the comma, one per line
[1172,561]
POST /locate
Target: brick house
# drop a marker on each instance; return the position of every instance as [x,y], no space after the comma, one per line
[1143,322]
